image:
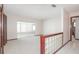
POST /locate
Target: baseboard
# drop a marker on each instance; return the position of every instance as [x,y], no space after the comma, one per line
[12,39]
[61,47]
[76,39]
[66,42]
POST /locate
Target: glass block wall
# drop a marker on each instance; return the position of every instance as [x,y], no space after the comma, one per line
[53,43]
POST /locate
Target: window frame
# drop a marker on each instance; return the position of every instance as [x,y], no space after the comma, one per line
[20,30]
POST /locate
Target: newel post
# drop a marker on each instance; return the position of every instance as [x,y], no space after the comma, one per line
[42,44]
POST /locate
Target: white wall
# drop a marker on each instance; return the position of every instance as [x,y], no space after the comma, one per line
[54,25]
[74,14]
[49,26]
[39,27]
[61,23]
[12,25]
[66,26]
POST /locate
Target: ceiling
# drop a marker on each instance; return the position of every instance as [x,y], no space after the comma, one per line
[39,11]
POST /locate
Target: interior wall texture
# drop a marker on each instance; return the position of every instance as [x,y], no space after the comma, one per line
[61,23]
[66,26]
[12,25]
[53,25]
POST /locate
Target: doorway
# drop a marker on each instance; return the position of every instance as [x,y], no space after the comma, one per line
[3,29]
[74,27]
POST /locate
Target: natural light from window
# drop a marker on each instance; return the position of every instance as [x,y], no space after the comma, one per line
[25,27]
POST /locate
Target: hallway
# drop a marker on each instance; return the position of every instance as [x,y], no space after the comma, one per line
[45,20]
[71,48]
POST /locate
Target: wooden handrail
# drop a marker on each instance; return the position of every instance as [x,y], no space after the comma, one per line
[42,44]
[53,34]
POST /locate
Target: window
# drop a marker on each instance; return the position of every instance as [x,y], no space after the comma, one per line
[34,27]
[18,26]
[25,27]
[74,24]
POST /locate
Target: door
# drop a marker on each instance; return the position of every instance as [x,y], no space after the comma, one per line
[4,29]
[74,31]
[1,30]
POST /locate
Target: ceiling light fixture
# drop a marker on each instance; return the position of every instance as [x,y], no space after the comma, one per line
[53,5]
